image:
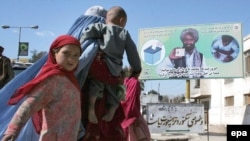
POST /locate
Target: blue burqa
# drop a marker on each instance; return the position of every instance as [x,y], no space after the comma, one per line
[89,47]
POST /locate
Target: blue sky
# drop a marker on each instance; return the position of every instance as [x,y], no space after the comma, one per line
[54,17]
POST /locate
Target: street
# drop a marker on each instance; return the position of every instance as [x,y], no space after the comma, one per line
[212,136]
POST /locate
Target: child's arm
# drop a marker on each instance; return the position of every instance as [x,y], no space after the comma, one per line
[35,101]
[7,137]
[133,55]
[92,31]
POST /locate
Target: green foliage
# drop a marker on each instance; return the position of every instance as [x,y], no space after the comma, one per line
[36,55]
[153,92]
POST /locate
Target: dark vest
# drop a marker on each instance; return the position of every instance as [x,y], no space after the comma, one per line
[182,61]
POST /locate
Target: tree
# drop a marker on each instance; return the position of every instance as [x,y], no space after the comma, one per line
[178,99]
[36,55]
[164,98]
[153,92]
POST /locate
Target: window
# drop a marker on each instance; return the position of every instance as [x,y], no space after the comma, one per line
[228,80]
[229,101]
[248,64]
[197,83]
[247,99]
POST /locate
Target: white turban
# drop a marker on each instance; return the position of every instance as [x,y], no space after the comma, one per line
[96,11]
[190,31]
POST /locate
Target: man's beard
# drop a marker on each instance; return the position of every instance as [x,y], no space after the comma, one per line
[189,48]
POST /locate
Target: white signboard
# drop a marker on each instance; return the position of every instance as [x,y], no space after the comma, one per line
[169,117]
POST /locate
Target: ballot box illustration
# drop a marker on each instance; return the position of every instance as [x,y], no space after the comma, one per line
[152,54]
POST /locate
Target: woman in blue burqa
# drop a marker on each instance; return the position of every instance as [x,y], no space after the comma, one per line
[92,15]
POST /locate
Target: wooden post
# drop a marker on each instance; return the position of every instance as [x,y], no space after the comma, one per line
[187,97]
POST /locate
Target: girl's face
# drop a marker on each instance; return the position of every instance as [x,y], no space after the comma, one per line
[68,56]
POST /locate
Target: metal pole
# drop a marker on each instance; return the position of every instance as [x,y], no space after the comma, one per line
[19,39]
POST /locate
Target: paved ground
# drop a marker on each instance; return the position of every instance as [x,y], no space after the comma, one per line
[210,137]
[189,137]
[215,134]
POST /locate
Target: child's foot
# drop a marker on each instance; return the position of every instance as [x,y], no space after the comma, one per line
[92,117]
[110,114]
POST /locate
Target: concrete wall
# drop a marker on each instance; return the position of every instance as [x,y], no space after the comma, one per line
[219,113]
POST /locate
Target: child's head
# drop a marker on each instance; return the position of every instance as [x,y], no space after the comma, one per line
[116,15]
[129,72]
[132,73]
[122,76]
[226,39]
[65,51]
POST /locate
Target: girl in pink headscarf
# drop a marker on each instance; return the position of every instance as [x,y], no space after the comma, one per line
[52,98]
[134,125]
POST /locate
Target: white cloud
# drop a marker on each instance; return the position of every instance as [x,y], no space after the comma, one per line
[45,33]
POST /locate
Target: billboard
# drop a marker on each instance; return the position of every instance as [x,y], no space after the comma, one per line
[192,52]
[170,117]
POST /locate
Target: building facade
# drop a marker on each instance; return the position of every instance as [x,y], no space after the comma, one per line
[227,101]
